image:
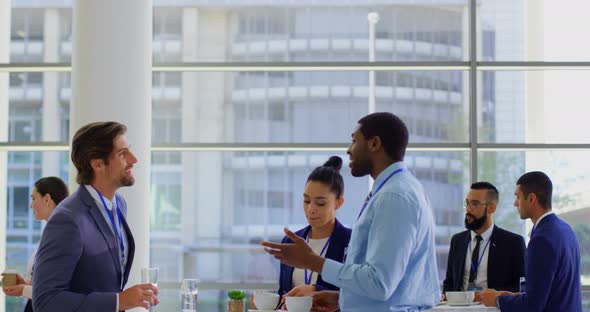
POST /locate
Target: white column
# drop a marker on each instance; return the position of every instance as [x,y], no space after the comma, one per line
[112,80]
[4,89]
[50,118]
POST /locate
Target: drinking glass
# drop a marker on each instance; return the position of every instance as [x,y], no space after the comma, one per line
[150,275]
[189,293]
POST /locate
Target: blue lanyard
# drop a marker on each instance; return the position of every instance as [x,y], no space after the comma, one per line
[377,190]
[115,228]
[480,257]
[308,279]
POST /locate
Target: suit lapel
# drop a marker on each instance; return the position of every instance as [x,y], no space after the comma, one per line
[130,248]
[102,225]
[335,240]
[462,254]
[492,256]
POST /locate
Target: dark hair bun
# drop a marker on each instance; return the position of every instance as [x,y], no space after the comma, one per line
[335,162]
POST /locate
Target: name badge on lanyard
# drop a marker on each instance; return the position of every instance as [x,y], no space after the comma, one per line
[308,278]
[117,229]
[475,267]
[377,190]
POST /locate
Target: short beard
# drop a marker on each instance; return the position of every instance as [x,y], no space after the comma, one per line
[361,168]
[127,181]
[476,224]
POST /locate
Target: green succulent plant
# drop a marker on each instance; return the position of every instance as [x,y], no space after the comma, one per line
[236,294]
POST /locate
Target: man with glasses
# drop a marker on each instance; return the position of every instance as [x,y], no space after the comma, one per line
[484,256]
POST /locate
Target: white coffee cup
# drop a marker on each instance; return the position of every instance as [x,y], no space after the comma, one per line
[299,304]
[266,300]
[460,297]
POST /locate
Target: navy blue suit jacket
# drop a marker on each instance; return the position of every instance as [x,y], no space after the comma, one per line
[336,251]
[552,271]
[505,260]
[77,265]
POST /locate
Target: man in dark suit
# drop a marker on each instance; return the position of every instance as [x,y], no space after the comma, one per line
[87,248]
[484,256]
[552,258]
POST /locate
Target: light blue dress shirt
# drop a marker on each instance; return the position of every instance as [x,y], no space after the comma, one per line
[110,204]
[391,262]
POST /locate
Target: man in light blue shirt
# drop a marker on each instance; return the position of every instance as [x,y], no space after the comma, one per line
[391,263]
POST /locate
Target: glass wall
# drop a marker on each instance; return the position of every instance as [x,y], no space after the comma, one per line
[211,206]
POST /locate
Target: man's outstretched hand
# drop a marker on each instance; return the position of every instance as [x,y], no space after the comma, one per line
[297,254]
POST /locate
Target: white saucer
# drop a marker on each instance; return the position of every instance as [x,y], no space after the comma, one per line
[463,304]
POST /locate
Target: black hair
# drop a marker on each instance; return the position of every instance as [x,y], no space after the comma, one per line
[390,129]
[54,186]
[492,193]
[538,183]
[329,174]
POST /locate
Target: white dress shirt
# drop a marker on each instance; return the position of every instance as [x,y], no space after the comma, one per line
[298,274]
[481,280]
[550,212]
[110,204]
[28,289]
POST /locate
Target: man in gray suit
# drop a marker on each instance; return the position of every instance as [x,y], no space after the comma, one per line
[87,248]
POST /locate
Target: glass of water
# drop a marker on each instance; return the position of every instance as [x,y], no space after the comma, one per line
[190,292]
[149,276]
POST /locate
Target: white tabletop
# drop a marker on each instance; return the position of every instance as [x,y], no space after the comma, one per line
[470,308]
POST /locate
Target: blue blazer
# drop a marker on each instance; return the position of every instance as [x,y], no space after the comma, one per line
[77,265]
[336,251]
[552,271]
[505,260]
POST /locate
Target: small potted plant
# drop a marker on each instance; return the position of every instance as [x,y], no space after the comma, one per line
[236,301]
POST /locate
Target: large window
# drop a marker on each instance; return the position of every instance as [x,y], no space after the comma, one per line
[486,93]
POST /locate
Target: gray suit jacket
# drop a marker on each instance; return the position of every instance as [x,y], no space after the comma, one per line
[77,263]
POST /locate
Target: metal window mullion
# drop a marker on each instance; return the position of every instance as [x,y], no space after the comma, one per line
[318,66]
[473,89]
[253,147]
[261,66]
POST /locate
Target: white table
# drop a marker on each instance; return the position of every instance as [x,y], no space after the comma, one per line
[471,308]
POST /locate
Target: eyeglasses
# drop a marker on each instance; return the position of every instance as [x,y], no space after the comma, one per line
[473,204]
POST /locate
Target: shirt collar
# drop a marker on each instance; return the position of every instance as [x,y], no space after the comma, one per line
[550,212]
[543,216]
[385,173]
[94,194]
[485,235]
